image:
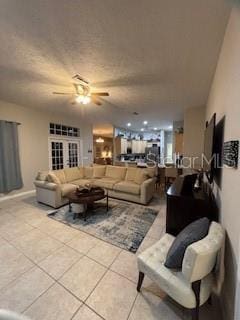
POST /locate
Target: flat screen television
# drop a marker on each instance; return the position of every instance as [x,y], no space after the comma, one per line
[208,158]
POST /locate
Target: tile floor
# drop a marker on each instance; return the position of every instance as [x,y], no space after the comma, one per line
[50,271]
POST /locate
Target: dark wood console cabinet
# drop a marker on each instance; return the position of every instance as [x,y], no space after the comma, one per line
[184,205]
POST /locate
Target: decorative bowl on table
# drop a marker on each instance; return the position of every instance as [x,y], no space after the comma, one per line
[87,188]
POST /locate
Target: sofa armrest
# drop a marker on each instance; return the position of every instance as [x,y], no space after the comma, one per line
[147,190]
[49,193]
[46,185]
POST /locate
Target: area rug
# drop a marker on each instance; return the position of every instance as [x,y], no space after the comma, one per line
[124,225]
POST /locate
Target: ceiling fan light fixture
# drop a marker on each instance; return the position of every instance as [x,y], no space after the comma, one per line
[86,99]
[99,140]
[83,93]
[83,99]
[79,98]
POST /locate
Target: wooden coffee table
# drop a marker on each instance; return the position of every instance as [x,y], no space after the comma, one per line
[86,199]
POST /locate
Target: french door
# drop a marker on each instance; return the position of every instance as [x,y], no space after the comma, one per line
[63,153]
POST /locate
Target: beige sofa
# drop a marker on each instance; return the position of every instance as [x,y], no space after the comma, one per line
[132,184]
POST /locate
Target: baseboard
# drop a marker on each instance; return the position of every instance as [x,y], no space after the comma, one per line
[17,195]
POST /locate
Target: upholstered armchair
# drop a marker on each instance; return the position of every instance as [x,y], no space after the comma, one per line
[191,287]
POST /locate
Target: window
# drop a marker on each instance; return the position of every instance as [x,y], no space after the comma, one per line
[63,130]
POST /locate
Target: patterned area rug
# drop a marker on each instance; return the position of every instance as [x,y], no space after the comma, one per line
[125,224]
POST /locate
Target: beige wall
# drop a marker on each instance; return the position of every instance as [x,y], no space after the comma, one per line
[193,140]
[33,138]
[224,99]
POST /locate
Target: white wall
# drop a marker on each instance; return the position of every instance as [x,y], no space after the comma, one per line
[193,139]
[224,99]
[33,138]
[168,138]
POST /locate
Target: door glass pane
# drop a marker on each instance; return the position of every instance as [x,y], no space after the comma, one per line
[57,155]
[73,154]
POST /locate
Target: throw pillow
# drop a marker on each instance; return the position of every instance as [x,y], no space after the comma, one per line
[42,175]
[194,232]
[152,172]
[99,171]
[53,178]
[60,174]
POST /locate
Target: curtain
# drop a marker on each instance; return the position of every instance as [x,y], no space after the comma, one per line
[10,170]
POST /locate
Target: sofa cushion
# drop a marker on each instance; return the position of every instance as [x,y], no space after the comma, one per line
[51,177]
[106,182]
[73,173]
[66,188]
[42,176]
[141,177]
[88,172]
[60,174]
[82,182]
[194,232]
[136,175]
[127,187]
[99,171]
[151,172]
[117,173]
[131,173]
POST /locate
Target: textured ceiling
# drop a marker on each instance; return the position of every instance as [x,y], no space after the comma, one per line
[155,57]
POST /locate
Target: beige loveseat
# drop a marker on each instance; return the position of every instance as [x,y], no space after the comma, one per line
[132,184]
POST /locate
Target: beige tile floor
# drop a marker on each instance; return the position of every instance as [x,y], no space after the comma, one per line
[50,271]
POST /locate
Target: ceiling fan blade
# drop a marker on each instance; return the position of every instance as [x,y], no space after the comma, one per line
[97,102]
[79,78]
[64,93]
[103,94]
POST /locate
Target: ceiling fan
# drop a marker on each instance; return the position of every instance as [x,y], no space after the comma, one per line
[83,93]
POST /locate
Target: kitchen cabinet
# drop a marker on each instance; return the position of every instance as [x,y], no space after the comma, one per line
[139,146]
[121,145]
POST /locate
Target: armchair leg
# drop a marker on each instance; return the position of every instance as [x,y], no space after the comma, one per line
[196,286]
[210,300]
[140,281]
[195,314]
